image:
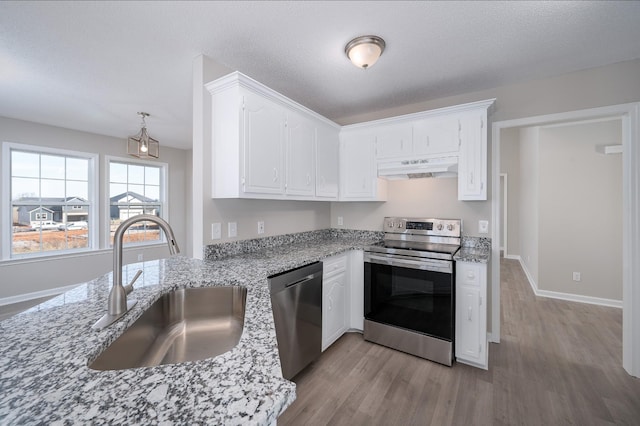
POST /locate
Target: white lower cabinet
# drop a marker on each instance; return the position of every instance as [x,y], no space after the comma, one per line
[335,298]
[471,314]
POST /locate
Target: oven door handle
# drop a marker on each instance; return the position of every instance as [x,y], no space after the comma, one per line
[405,263]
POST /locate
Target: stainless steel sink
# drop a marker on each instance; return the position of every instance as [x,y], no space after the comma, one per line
[184,325]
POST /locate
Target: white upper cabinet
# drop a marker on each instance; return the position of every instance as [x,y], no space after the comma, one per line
[393,141]
[265,146]
[472,164]
[358,173]
[264,136]
[327,162]
[301,142]
[437,135]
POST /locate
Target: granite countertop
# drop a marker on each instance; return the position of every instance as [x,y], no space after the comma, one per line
[44,352]
[474,249]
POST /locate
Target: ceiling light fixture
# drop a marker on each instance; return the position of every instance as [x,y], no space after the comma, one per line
[364,51]
[142,145]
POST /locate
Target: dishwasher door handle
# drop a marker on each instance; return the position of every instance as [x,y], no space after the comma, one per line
[302,280]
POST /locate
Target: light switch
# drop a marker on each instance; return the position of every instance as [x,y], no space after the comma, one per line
[216,231]
[233,229]
[483,227]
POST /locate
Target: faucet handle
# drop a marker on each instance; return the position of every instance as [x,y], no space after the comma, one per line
[129,287]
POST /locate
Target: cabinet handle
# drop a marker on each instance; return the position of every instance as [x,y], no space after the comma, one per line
[275,174]
[330,304]
[470,313]
[308,179]
[401,145]
[471,275]
[471,178]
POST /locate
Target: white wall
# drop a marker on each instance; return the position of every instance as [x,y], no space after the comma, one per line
[19,277]
[510,165]
[580,202]
[414,198]
[527,194]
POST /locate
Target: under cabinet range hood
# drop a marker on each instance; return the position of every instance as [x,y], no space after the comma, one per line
[418,168]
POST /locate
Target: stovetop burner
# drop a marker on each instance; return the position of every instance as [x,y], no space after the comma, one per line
[415,237]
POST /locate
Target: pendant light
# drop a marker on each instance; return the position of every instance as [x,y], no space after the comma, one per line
[364,51]
[142,145]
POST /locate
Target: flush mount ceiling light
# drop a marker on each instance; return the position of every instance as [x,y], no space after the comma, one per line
[364,51]
[142,145]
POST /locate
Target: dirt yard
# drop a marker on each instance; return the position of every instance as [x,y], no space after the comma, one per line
[29,241]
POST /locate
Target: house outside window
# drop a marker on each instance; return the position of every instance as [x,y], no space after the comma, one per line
[136,188]
[51,200]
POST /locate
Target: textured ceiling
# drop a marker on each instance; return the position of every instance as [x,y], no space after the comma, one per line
[92,65]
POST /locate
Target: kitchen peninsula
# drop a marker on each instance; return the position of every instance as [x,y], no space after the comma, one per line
[45,351]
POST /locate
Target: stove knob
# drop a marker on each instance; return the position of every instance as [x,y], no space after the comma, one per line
[439,227]
[450,227]
[391,225]
[399,225]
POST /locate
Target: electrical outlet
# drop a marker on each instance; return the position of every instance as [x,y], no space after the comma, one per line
[260,227]
[140,257]
[340,221]
[216,231]
[576,276]
[483,227]
[233,229]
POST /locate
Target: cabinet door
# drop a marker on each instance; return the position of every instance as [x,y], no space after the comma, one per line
[263,126]
[472,163]
[394,141]
[436,136]
[358,175]
[327,162]
[468,333]
[334,309]
[300,155]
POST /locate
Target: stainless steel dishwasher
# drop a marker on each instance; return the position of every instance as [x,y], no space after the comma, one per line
[296,298]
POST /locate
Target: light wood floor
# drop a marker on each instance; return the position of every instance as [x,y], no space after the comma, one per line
[558,363]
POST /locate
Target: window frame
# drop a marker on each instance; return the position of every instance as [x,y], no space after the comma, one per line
[163,194]
[6,252]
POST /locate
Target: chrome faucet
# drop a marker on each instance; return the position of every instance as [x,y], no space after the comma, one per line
[118,304]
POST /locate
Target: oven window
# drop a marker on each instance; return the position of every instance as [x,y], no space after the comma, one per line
[412,299]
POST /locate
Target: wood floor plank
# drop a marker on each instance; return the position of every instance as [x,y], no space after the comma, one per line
[558,363]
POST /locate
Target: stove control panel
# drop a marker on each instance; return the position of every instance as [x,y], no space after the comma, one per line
[422,226]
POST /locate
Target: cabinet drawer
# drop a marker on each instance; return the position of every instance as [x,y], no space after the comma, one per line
[334,265]
[468,274]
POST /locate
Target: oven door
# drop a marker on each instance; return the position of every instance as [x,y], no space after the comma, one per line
[407,293]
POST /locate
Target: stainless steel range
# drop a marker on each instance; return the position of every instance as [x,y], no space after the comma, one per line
[409,287]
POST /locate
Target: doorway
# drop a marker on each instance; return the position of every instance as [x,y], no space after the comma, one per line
[629,114]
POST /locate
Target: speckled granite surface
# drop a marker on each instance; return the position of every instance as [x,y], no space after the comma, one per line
[219,251]
[44,352]
[474,249]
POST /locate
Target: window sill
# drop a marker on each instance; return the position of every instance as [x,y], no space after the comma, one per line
[78,254]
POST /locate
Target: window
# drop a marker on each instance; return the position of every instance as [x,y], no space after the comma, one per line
[49,189]
[136,188]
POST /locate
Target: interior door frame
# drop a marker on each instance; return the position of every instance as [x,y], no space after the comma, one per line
[630,117]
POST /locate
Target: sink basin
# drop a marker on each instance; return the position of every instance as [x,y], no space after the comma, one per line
[184,325]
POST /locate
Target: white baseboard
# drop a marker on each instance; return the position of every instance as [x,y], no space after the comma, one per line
[570,297]
[512,256]
[490,339]
[35,295]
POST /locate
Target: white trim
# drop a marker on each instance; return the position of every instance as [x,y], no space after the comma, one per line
[570,297]
[36,295]
[93,195]
[164,194]
[630,114]
[505,212]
